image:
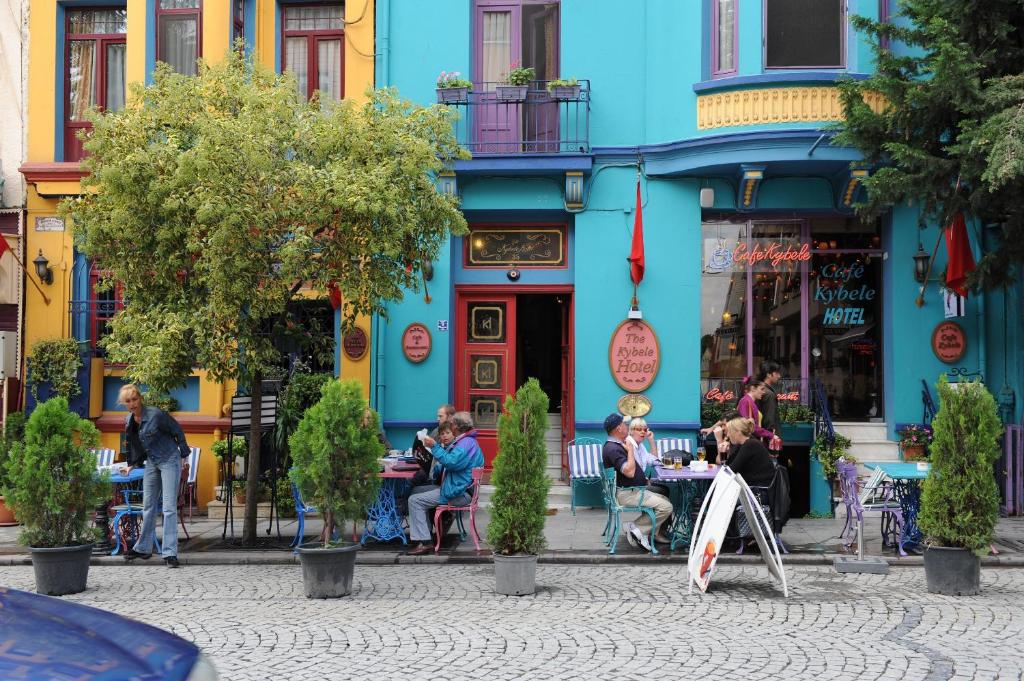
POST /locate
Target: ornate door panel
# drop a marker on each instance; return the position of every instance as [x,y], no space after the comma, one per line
[486,362]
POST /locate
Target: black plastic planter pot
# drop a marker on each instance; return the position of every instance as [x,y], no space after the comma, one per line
[952,571]
[327,573]
[63,570]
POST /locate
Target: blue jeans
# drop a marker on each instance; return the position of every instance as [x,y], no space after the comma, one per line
[161,480]
[422,500]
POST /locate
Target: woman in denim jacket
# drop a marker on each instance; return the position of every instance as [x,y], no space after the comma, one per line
[153,434]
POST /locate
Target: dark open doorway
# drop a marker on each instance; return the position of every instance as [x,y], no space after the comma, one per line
[539,323]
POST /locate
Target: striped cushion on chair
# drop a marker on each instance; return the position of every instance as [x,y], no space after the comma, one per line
[585,461]
[193,464]
[104,457]
[667,444]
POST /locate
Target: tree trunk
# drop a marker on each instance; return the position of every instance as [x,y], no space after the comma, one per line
[252,471]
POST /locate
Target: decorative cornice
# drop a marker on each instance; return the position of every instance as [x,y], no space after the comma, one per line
[775,78]
[52,172]
[773,105]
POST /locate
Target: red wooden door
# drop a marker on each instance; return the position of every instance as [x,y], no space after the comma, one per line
[485,371]
[568,377]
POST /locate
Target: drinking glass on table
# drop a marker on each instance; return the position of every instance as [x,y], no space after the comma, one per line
[700,453]
[678,463]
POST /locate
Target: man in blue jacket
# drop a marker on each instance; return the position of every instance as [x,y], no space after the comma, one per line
[457,462]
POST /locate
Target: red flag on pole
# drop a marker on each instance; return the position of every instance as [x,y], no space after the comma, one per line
[636,253]
[961,260]
[4,246]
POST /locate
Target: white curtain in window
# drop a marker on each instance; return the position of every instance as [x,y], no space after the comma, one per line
[726,35]
[497,52]
[296,57]
[81,78]
[115,77]
[329,67]
[179,46]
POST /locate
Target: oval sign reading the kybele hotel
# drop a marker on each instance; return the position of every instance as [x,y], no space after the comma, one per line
[634,355]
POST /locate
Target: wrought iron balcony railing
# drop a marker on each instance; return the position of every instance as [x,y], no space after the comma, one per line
[536,119]
[90,320]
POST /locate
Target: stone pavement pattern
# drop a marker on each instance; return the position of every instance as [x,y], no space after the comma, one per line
[615,622]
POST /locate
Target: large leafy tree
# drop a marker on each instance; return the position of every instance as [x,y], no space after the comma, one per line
[215,201]
[951,135]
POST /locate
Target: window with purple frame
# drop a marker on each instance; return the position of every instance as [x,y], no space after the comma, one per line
[804,34]
[94,69]
[179,34]
[724,50]
[314,37]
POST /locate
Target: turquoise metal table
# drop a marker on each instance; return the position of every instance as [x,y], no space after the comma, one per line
[684,486]
[906,482]
[383,521]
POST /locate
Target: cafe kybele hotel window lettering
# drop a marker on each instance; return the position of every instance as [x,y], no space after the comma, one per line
[804,293]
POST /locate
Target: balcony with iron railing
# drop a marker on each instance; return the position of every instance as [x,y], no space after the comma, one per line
[497,120]
[90,321]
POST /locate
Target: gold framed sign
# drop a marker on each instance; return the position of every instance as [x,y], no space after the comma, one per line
[539,246]
[634,405]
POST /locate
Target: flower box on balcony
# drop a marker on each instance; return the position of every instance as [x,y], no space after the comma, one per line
[452,95]
[564,90]
[565,93]
[511,93]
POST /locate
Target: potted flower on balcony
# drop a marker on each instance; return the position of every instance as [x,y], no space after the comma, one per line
[335,464]
[914,441]
[564,89]
[516,85]
[452,88]
[960,499]
[53,488]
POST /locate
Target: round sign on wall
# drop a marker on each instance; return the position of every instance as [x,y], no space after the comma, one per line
[354,344]
[634,355]
[949,342]
[416,342]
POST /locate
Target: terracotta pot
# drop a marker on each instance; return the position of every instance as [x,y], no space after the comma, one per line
[6,515]
[913,452]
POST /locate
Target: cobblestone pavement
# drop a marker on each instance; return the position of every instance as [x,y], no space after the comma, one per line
[620,622]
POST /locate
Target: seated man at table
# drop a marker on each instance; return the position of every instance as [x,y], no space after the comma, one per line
[444,415]
[631,482]
[457,462]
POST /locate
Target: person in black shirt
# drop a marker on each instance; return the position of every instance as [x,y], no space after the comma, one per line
[630,482]
[770,375]
[750,458]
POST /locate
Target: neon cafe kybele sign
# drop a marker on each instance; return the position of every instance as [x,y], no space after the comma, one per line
[761,254]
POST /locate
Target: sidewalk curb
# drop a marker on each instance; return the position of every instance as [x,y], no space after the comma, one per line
[484,558]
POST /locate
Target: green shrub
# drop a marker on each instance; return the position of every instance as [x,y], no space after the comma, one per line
[519,506]
[52,483]
[795,413]
[301,392]
[14,431]
[55,361]
[335,452]
[960,499]
[830,452]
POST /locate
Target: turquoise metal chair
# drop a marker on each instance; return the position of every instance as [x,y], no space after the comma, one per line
[585,466]
[301,509]
[615,511]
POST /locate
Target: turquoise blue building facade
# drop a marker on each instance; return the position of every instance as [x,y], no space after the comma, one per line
[727,127]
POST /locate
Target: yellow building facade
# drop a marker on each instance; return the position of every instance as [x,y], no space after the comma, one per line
[83,55]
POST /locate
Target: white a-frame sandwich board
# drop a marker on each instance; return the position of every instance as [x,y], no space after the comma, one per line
[713,521]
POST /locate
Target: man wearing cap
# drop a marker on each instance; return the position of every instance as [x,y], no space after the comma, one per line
[631,483]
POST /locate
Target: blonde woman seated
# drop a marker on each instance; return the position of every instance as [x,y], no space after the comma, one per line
[750,458]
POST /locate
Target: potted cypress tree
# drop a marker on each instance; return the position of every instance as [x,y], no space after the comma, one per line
[53,488]
[335,452]
[960,499]
[14,431]
[519,505]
